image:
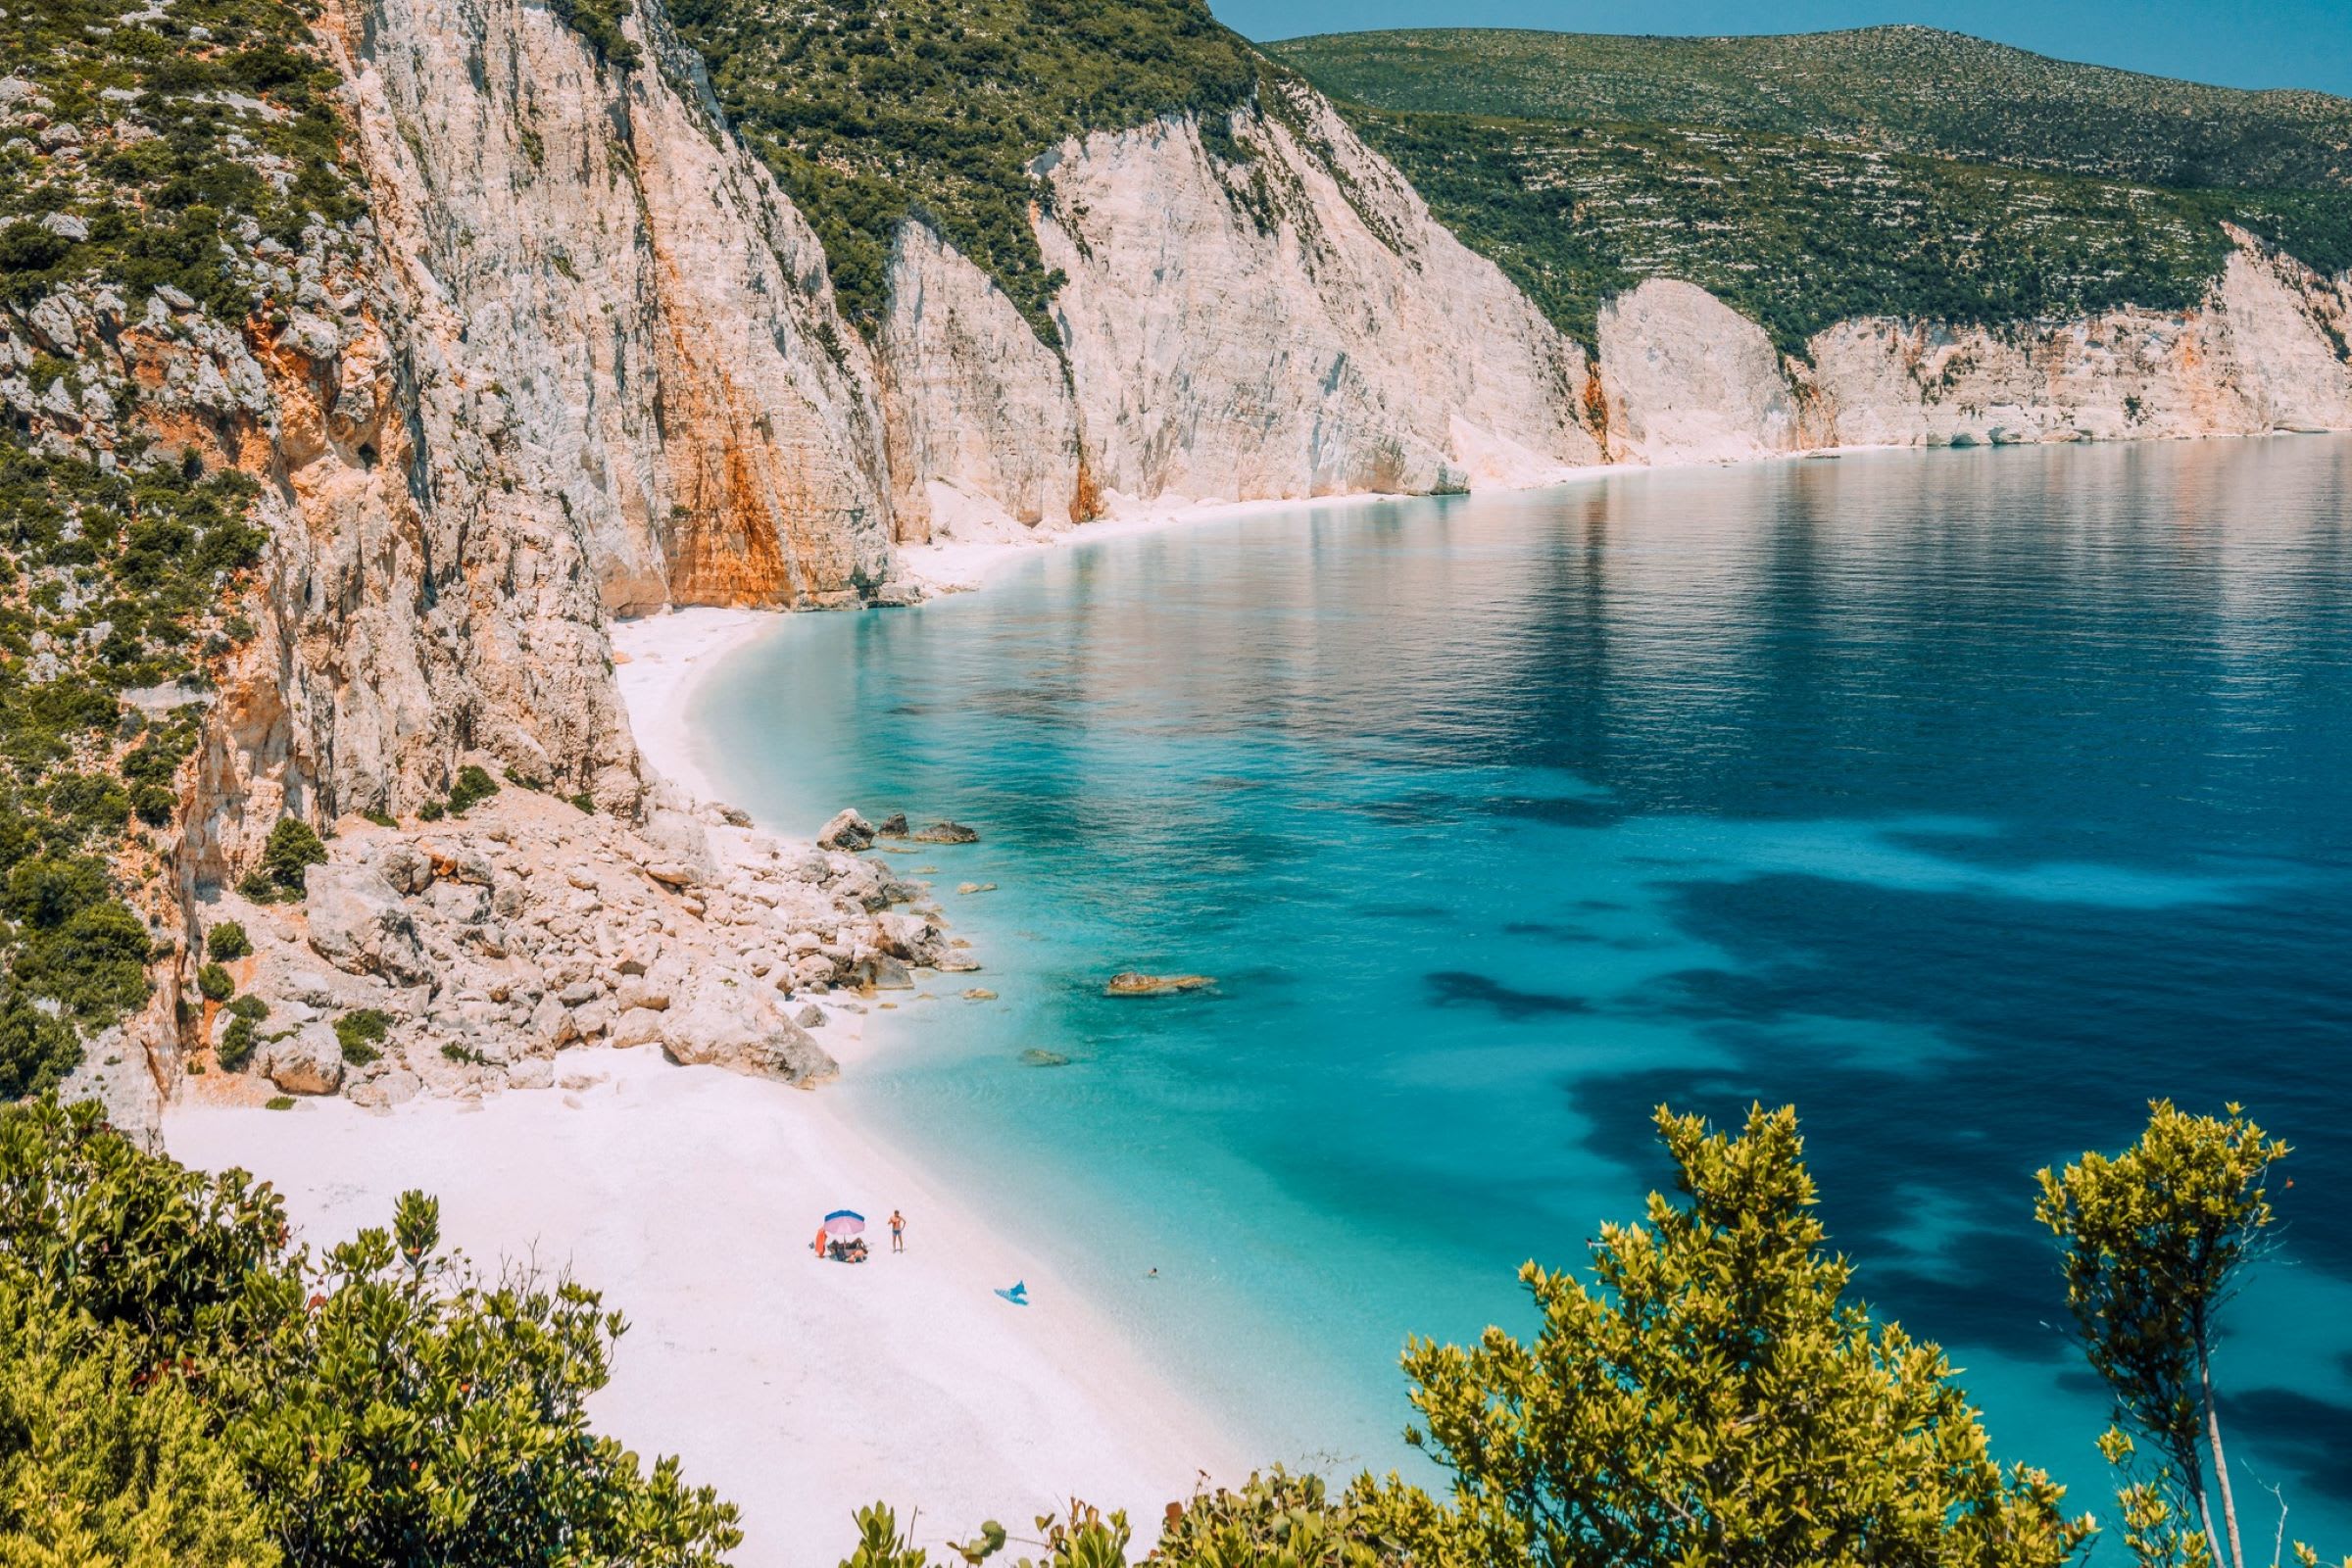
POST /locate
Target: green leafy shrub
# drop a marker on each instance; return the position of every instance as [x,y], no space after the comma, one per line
[1855,1445]
[214,983]
[228,940]
[360,1033]
[278,1103]
[103,1462]
[36,1051]
[294,847]
[251,1008]
[599,21]
[237,1043]
[475,785]
[379,1405]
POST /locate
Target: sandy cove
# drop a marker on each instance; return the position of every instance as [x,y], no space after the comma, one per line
[689,1197]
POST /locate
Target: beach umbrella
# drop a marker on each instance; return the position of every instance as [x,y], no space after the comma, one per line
[841,1222]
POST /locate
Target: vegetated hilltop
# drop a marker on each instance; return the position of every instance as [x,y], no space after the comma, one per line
[1898,89]
[1894,170]
[871,115]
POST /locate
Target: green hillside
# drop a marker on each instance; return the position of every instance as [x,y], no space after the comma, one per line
[1811,178]
[1899,89]
[871,114]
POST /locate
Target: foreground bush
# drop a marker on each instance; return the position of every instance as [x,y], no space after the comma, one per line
[180,1385]
[1710,1397]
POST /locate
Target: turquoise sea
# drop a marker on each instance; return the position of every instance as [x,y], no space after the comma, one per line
[1966,799]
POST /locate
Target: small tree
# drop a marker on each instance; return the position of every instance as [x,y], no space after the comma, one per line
[294,846]
[1711,1398]
[226,939]
[2153,1243]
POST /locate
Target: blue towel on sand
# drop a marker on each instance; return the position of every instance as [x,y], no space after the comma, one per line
[1018,1296]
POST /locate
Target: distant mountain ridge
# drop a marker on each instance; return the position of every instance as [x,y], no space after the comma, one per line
[1907,89]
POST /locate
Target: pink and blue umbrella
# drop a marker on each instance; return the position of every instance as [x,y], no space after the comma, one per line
[842,1222]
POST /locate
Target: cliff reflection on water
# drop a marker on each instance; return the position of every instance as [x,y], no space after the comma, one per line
[1966,799]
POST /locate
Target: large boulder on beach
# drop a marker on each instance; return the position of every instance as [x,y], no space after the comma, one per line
[357,924]
[728,1020]
[307,1061]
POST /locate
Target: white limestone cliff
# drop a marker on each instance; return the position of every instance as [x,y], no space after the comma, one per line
[1689,379]
[1685,378]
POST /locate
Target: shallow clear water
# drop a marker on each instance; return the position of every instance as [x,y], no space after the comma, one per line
[1967,800]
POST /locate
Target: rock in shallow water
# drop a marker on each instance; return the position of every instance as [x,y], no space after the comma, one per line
[1133,983]
[847,832]
[947,833]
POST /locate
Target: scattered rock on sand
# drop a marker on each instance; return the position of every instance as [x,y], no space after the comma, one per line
[947,833]
[1132,984]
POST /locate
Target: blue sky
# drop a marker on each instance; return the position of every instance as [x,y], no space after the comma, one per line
[2277,43]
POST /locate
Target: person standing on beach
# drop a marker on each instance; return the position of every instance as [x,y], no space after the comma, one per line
[898,1231]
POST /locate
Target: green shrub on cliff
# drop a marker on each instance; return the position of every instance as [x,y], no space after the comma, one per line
[179,1386]
[361,1034]
[294,846]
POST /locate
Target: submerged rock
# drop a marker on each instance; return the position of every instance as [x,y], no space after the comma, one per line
[1035,1057]
[1132,984]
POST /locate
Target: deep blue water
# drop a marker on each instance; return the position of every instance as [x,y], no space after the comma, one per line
[1967,800]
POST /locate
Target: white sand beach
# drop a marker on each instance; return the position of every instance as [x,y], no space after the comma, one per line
[801,1390]
[689,1195]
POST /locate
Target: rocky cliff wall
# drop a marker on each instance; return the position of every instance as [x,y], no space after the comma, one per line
[620,315]
[1288,324]
[1690,380]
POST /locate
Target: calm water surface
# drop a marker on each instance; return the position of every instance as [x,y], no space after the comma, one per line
[1967,800]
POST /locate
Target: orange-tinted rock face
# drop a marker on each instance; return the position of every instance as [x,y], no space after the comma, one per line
[620,314]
